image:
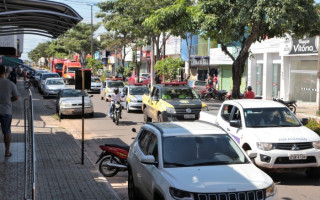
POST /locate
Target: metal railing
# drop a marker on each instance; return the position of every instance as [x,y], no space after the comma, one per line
[30,154]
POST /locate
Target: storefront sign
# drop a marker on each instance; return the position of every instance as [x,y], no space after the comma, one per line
[303,46]
[199,61]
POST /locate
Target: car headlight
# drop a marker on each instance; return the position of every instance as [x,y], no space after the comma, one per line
[180,194]
[88,104]
[65,104]
[171,111]
[271,191]
[265,146]
[132,99]
[316,144]
[205,108]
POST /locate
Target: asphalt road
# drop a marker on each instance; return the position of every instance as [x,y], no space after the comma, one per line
[100,130]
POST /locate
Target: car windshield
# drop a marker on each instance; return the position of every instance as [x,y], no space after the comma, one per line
[115,84]
[55,82]
[73,69]
[139,90]
[270,117]
[59,66]
[45,76]
[97,80]
[72,93]
[179,93]
[201,150]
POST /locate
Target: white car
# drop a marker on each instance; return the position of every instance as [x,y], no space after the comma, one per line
[272,131]
[52,87]
[108,86]
[191,161]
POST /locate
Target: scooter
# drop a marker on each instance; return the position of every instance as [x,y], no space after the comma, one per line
[209,92]
[116,112]
[31,82]
[292,105]
[113,159]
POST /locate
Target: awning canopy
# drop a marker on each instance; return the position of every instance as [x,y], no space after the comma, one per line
[38,17]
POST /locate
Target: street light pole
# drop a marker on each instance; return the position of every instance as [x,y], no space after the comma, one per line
[91,31]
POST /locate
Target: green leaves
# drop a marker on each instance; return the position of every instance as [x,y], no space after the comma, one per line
[169,67]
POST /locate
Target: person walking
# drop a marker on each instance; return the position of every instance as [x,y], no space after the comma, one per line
[249,94]
[13,76]
[8,94]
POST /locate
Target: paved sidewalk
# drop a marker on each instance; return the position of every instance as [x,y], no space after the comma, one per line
[59,172]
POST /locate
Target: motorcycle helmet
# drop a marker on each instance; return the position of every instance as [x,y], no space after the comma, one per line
[249,88]
[116,90]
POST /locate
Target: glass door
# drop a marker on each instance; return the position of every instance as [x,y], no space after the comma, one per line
[276,80]
[259,80]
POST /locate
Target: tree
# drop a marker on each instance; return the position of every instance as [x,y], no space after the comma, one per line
[57,49]
[244,22]
[39,52]
[180,19]
[169,67]
[78,39]
[94,65]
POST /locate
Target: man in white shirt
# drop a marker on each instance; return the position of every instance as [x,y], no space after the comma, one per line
[114,98]
[8,94]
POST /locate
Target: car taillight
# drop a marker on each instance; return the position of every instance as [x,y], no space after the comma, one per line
[194,87]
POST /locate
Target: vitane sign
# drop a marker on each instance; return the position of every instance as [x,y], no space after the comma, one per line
[303,46]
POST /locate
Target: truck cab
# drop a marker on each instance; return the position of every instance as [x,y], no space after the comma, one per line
[57,66]
[68,71]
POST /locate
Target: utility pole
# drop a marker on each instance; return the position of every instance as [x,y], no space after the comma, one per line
[91,31]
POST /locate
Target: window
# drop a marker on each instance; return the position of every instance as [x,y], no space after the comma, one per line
[236,114]
[155,92]
[225,114]
[152,148]
[143,141]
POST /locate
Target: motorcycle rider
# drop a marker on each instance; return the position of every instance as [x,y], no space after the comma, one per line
[249,94]
[115,98]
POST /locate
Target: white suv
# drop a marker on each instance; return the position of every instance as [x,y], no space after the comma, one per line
[192,161]
[271,130]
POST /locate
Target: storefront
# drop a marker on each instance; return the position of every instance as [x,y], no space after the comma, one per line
[200,68]
[284,68]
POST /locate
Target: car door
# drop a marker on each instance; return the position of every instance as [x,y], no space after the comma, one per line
[154,100]
[236,132]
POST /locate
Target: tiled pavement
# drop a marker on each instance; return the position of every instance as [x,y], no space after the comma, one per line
[59,172]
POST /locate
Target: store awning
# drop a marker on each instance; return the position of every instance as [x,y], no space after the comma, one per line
[10,61]
[37,17]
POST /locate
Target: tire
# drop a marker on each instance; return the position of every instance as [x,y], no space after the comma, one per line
[201,96]
[146,119]
[101,97]
[27,85]
[45,95]
[106,98]
[160,118]
[39,90]
[207,97]
[132,192]
[117,118]
[61,116]
[109,171]
[91,115]
[292,108]
[313,173]
[128,109]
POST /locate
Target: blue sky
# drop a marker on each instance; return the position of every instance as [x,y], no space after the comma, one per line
[81,6]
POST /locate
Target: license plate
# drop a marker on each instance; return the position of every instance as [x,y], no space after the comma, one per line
[297,157]
[189,116]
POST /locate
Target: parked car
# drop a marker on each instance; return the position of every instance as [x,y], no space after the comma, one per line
[108,86]
[69,102]
[43,78]
[38,73]
[52,87]
[133,96]
[271,130]
[95,84]
[198,86]
[193,160]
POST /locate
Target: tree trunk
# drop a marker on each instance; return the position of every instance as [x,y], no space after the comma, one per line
[237,71]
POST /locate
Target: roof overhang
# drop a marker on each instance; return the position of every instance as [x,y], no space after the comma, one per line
[37,17]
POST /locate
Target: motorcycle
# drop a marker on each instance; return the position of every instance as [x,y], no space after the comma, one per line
[31,82]
[210,92]
[292,105]
[113,159]
[116,112]
[229,96]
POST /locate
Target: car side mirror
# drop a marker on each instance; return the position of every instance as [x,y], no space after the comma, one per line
[148,159]
[304,121]
[134,130]
[154,98]
[91,95]
[252,154]
[235,123]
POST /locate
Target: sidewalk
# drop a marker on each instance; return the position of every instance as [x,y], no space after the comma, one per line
[59,172]
[307,110]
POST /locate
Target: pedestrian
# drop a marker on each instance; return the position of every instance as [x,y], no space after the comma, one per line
[13,76]
[8,94]
[215,81]
[210,81]
[249,94]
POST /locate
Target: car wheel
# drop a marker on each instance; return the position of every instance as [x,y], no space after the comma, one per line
[132,192]
[91,115]
[106,98]
[26,85]
[60,116]
[108,171]
[146,119]
[128,109]
[45,95]
[313,172]
[101,97]
[158,196]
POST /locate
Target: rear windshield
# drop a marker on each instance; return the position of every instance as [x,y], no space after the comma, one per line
[55,82]
[45,76]
[116,84]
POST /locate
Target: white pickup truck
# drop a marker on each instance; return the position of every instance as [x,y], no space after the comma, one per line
[272,131]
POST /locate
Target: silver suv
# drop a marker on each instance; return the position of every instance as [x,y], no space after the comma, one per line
[193,161]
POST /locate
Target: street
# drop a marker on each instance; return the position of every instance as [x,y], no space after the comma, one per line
[100,130]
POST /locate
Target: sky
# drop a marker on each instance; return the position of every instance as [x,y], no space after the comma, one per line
[82,7]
